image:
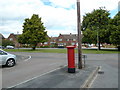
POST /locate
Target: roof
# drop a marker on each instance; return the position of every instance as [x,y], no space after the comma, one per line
[15,35]
[1,36]
[69,36]
[53,38]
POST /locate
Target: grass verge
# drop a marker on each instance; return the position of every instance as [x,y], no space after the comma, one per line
[85,51]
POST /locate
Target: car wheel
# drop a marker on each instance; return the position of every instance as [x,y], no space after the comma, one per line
[10,63]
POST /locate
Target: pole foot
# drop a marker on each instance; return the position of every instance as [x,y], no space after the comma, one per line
[71,70]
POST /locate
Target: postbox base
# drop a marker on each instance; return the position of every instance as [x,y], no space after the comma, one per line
[71,70]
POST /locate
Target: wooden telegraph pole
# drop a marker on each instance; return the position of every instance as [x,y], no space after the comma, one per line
[79,36]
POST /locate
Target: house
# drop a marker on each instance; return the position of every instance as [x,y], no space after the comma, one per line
[14,38]
[1,36]
[45,43]
[53,40]
[64,40]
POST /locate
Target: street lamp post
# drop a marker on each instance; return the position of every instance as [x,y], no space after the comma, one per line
[79,36]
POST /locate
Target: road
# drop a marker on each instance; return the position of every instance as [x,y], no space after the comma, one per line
[26,69]
[41,63]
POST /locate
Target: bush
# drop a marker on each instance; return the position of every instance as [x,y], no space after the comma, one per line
[118,48]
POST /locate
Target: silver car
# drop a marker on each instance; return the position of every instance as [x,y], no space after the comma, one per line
[7,59]
[9,47]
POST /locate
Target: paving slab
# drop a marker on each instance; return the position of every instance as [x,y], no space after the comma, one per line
[60,78]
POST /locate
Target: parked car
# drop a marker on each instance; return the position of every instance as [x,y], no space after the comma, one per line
[9,47]
[7,59]
[2,47]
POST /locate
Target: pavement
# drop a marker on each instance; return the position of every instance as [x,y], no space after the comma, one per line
[109,66]
[60,78]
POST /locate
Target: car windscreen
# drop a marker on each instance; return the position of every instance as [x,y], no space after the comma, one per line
[3,53]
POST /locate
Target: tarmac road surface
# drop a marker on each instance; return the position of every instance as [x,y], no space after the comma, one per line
[41,63]
[26,69]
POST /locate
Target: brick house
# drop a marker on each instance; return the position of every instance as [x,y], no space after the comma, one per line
[62,40]
[67,39]
[45,43]
[13,37]
[1,37]
[53,41]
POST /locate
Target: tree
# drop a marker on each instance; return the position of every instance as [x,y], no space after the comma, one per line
[89,37]
[96,23]
[115,30]
[33,32]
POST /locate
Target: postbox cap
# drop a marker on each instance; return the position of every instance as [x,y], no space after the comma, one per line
[70,47]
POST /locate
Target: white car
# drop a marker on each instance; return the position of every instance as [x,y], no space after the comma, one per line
[9,47]
[7,59]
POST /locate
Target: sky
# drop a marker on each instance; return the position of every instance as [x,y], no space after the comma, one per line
[58,16]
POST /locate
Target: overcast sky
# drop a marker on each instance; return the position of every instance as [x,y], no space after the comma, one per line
[59,16]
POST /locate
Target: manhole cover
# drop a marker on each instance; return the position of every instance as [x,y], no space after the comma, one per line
[100,72]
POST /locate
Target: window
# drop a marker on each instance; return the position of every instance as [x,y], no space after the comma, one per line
[45,42]
[73,43]
[60,44]
[52,42]
[64,43]
[11,39]
[68,39]
[74,39]
[60,39]
[2,53]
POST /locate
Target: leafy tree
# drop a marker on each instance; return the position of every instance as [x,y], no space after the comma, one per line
[115,30]
[33,32]
[7,42]
[95,26]
[89,39]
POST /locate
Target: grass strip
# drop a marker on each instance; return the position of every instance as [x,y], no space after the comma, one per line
[85,51]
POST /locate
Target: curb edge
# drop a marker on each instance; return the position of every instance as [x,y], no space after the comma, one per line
[87,82]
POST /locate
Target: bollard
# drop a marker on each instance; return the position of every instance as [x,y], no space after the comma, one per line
[71,59]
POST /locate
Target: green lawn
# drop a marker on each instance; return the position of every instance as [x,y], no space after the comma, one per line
[85,51]
[103,51]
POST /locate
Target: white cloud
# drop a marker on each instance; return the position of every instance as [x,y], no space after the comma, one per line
[11,27]
[18,8]
[56,20]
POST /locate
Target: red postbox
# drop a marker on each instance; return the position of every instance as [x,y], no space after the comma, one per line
[71,59]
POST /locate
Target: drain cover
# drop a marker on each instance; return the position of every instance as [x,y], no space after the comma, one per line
[100,72]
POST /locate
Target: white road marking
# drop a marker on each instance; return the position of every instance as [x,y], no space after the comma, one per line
[28,58]
[36,77]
